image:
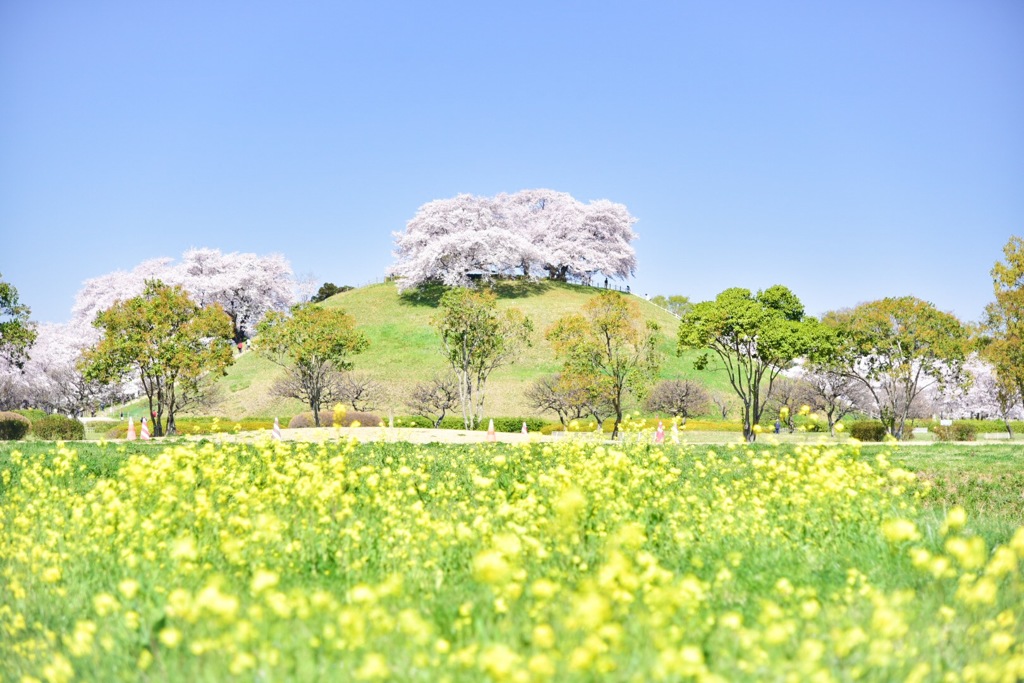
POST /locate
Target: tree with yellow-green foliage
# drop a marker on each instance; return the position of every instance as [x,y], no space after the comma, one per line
[896,348]
[314,345]
[1003,328]
[476,339]
[610,343]
[166,341]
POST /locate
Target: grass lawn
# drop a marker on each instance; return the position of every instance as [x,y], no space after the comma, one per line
[404,349]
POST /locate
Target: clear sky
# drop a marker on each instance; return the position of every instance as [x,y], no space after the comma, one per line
[849,150]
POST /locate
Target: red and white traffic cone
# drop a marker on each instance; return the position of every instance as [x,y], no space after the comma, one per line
[131,429]
[491,436]
[659,436]
[525,430]
[145,430]
[276,435]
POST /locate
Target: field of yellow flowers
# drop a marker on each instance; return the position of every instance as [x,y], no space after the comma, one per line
[575,561]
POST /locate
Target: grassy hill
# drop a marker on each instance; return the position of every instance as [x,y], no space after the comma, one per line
[404,349]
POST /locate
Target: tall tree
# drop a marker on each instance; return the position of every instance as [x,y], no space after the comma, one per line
[526,232]
[1003,341]
[610,342]
[755,336]
[164,339]
[16,332]
[476,339]
[246,286]
[314,345]
[897,348]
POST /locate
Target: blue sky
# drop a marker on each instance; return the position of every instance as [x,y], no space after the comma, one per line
[849,150]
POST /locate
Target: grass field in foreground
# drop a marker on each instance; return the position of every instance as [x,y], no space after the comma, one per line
[564,562]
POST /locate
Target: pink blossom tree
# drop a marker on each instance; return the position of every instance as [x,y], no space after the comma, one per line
[522,233]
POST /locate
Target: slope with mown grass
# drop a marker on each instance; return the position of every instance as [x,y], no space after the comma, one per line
[405,349]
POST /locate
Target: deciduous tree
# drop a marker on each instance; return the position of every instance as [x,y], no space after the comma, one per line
[897,348]
[16,331]
[570,396]
[1003,341]
[164,339]
[611,343]
[434,398]
[476,339]
[522,233]
[678,398]
[313,345]
[755,336]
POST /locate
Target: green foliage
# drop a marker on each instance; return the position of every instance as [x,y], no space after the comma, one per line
[958,431]
[513,424]
[675,304]
[1003,343]
[13,426]
[868,430]
[58,428]
[755,337]
[30,413]
[312,344]
[902,343]
[166,340]
[611,343]
[327,290]
[476,339]
[17,333]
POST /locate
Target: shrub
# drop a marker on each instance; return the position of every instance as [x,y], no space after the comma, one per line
[958,431]
[513,424]
[13,426]
[867,430]
[305,420]
[58,428]
[32,414]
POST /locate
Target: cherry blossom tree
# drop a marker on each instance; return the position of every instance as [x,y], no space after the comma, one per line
[985,397]
[247,286]
[523,233]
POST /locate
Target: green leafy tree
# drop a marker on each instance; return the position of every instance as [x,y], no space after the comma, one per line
[16,332]
[755,336]
[476,339]
[897,348]
[675,304]
[611,343]
[1002,340]
[314,346]
[167,341]
[327,290]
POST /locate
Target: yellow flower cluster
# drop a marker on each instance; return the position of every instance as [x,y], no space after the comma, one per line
[392,561]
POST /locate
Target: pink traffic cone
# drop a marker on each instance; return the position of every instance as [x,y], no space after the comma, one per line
[131,429]
[145,430]
[491,436]
[525,430]
[659,436]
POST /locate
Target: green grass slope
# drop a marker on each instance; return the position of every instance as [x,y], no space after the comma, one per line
[404,349]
